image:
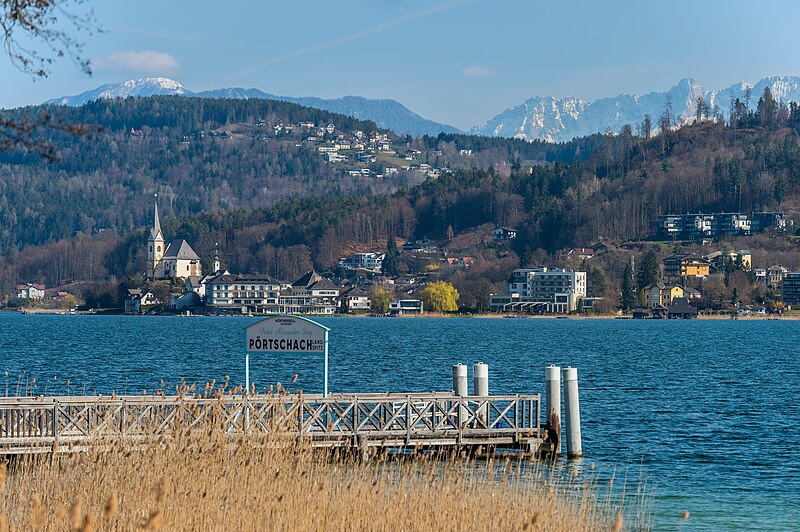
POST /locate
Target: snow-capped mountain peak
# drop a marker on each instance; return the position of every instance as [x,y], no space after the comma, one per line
[134,87]
[556,120]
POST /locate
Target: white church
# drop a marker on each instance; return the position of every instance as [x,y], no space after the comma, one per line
[178,259]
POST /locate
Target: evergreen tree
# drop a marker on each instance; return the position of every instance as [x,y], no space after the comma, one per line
[649,270]
[767,109]
[628,291]
[389,266]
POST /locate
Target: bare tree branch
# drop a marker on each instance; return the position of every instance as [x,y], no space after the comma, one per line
[42,22]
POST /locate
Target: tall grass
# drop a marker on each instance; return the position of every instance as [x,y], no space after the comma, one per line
[201,479]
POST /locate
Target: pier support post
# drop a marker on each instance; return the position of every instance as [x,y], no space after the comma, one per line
[572,412]
[552,376]
[460,383]
[461,389]
[480,388]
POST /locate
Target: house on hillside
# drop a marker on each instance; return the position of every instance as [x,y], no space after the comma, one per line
[775,275]
[420,246]
[366,261]
[681,266]
[504,233]
[30,291]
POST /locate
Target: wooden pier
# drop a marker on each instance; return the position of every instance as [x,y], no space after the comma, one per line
[364,423]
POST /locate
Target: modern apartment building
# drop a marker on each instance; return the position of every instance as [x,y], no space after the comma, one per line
[541,291]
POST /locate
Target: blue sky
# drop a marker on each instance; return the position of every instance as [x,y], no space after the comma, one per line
[454,61]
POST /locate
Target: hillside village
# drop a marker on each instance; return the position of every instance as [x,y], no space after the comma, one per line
[680,285]
[355,153]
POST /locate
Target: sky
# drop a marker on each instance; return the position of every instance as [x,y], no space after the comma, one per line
[458,62]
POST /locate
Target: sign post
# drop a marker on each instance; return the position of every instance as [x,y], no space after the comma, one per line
[287,334]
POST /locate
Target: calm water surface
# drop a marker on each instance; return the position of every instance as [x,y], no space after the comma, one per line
[707,412]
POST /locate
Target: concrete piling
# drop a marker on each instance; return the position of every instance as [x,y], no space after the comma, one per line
[480,379]
[460,380]
[480,388]
[461,389]
[553,406]
[572,412]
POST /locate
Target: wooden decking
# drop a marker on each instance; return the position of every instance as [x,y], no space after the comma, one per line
[363,423]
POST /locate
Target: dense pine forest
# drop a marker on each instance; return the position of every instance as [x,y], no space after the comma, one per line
[275,207]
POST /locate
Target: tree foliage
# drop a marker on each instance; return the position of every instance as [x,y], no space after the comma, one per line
[440,296]
[379,300]
[628,290]
[649,271]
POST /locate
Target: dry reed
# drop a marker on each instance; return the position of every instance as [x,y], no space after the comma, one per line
[202,479]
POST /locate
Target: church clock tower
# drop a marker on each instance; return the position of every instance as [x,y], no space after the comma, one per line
[155,244]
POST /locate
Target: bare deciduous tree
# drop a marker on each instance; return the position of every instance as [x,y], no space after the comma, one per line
[36,33]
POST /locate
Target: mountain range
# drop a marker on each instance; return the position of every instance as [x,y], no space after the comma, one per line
[562,119]
[544,118]
[387,114]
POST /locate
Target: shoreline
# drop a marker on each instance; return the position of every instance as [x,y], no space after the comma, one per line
[429,315]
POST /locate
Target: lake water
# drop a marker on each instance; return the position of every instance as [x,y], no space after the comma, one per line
[707,412]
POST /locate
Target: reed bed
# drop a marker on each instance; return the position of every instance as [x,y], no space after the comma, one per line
[202,479]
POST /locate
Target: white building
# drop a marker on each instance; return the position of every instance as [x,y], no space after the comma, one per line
[365,261]
[357,298]
[541,291]
[310,294]
[245,293]
[30,291]
[261,294]
[138,298]
[504,233]
[406,306]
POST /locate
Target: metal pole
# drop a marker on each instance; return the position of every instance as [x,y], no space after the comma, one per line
[247,373]
[325,386]
[572,412]
[552,385]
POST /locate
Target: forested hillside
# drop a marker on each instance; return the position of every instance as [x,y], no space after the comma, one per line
[200,154]
[609,191]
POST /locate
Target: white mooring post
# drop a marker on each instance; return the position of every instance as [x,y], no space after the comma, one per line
[480,380]
[480,388]
[552,388]
[461,389]
[572,412]
[460,384]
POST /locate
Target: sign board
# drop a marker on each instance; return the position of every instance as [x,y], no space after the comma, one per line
[287,334]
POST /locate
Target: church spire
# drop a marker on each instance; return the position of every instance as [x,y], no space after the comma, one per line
[155,232]
[217,265]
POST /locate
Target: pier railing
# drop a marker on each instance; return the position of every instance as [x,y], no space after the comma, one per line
[32,424]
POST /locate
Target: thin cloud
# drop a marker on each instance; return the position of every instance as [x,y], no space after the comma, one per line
[145,62]
[477,71]
[438,8]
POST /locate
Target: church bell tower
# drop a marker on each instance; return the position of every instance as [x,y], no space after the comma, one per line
[155,244]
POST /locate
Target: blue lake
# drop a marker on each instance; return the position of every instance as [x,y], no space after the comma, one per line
[707,412]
